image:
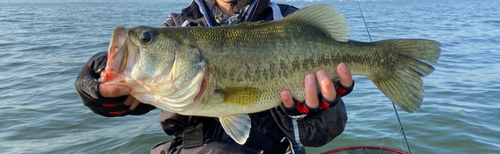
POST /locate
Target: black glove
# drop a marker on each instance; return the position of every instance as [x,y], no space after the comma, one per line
[302,108]
[87,88]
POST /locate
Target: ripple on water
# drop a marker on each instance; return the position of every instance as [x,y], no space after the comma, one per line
[45,48]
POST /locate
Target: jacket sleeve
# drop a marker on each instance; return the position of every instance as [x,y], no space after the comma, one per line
[173,20]
[316,129]
[287,9]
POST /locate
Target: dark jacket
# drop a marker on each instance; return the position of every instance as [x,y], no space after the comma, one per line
[315,130]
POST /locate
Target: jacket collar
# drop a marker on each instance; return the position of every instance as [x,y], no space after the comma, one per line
[197,12]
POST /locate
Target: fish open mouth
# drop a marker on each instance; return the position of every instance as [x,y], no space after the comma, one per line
[117,44]
[117,54]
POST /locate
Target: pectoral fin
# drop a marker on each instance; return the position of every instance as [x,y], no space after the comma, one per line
[237,126]
[240,95]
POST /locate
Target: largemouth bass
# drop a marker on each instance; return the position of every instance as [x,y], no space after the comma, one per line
[229,71]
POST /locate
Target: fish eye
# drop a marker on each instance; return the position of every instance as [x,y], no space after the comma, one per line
[146,37]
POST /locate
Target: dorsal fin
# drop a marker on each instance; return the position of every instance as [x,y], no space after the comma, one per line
[325,17]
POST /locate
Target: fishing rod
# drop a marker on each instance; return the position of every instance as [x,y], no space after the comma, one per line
[364,22]
[394,106]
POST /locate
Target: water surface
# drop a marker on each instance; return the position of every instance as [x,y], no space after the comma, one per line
[44,45]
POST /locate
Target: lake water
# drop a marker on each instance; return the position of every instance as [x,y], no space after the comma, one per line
[44,45]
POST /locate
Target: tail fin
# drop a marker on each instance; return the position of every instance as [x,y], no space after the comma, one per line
[405,87]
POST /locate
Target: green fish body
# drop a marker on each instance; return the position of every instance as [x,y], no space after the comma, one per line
[229,71]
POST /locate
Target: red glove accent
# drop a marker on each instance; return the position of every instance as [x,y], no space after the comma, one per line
[302,108]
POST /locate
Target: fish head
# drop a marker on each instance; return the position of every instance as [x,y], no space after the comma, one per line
[157,62]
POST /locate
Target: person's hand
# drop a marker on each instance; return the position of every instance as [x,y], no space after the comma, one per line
[105,99]
[111,91]
[329,93]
